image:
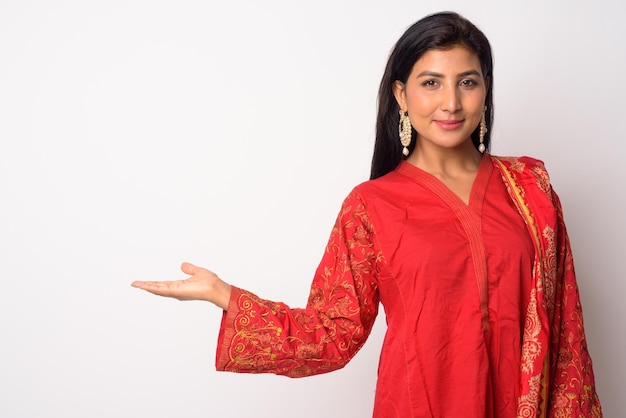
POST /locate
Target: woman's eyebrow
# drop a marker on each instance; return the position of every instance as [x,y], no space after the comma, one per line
[429,74]
[470,72]
[439,75]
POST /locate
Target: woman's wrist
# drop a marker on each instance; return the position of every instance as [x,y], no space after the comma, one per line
[220,294]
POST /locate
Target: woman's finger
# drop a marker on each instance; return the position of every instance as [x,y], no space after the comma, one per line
[189,268]
[158,288]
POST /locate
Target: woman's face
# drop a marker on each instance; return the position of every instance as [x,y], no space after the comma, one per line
[444,96]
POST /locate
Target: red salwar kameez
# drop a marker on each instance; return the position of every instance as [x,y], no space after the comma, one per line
[481,301]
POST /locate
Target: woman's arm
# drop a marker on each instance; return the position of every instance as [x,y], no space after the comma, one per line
[261,336]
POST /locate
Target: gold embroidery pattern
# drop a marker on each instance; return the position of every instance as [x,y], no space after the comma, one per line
[514,163]
[528,404]
[543,179]
[549,269]
[250,342]
[531,346]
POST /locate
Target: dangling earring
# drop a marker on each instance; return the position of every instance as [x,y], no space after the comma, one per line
[482,132]
[404,129]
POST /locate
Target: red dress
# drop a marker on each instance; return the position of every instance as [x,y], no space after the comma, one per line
[458,283]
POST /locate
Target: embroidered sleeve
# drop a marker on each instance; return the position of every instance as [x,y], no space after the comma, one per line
[572,390]
[259,336]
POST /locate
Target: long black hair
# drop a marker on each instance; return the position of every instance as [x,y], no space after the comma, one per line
[437,31]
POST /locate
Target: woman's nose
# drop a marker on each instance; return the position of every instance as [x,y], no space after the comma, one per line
[451,100]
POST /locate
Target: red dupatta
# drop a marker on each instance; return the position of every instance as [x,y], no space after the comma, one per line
[556,376]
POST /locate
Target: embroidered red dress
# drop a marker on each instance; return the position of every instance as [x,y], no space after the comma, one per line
[483,316]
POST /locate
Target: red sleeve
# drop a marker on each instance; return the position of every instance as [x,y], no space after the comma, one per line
[572,389]
[260,336]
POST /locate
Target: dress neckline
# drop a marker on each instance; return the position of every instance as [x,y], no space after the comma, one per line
[477,193]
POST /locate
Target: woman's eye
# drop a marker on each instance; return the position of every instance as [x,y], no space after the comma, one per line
[430,83]
[468,83]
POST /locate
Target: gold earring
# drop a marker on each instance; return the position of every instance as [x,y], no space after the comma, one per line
[404,129]
[482,132]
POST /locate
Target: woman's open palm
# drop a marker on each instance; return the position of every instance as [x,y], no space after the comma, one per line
[202,284]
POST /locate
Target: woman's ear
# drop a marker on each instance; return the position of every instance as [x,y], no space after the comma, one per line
[400,94]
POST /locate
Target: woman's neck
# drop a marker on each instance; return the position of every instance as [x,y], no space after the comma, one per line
[446,162]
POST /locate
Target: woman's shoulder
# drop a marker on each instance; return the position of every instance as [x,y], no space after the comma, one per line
[371,194]
[383,185]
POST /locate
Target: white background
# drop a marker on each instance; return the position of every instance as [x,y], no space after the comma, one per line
[135,135]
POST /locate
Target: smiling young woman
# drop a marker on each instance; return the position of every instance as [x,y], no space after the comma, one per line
[467,252]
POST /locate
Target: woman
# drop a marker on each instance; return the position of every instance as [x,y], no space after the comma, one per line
[467,253]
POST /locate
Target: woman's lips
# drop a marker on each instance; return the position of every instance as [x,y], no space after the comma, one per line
[449,125]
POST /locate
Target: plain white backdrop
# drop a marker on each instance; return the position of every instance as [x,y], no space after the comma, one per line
[135,135]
